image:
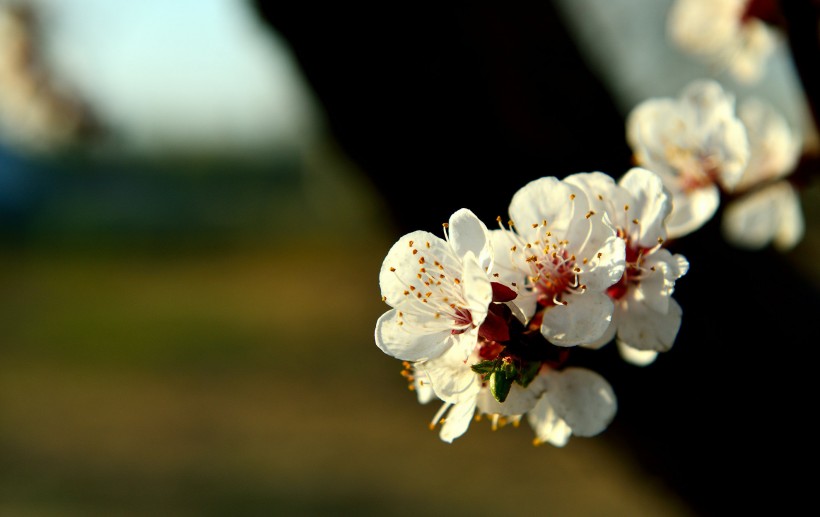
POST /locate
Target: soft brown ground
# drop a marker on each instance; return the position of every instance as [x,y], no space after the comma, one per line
[246,382]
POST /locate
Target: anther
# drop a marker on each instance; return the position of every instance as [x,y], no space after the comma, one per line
[392,269]
[571,197]
[590,214]
[421,260]
[410,244]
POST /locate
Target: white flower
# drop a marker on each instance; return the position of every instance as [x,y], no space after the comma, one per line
[439,290]
[463,392]
[724,32]
[696,144]
[646,318]
[768,208]
[561,256]
[574,401]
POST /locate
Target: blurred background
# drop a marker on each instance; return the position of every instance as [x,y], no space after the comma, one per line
[196,197]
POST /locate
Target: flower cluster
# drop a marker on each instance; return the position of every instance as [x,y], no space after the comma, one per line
[704,150]
[735,35]
[485,320]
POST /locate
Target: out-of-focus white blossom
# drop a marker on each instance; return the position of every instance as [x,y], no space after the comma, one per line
[767,209]
[561,256]
[725,33]
[696,144]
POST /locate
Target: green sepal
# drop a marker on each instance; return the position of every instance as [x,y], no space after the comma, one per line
[528,372]
[486,367]
[500,384]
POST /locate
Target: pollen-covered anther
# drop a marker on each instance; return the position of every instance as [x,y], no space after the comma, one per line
[589,214]
[572,197]
[626,208]
[427,244]
[535,225]
[457,281]
[660,240]
[392,269]
[410,243]
[415,251]
[421,260]
[514,248]
[635,221]
[600,254]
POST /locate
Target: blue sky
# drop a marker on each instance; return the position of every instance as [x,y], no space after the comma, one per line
[181,72]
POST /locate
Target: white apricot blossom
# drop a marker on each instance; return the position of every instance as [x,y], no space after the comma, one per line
[767,208]
[728,34]
[561,257]
[465,393]
[646,317]
[573,401]
[439,290]
[696,144]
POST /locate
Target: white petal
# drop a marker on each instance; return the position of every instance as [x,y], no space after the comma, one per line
[477,288]
[422,386]
[468,233]
[546,424]
[691,210]
[451,377]
[395,340]
[774,148]
[658,282]
[756,219]
[582,398]
[608,335]
[400,267]
[651,205]
[792,226]
[457,420]
[601,272]
[635,356]
[584,319]
[647,126]
[644,329]
[547,199]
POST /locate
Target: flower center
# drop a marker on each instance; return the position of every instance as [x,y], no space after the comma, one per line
[552,276]
[635,256]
